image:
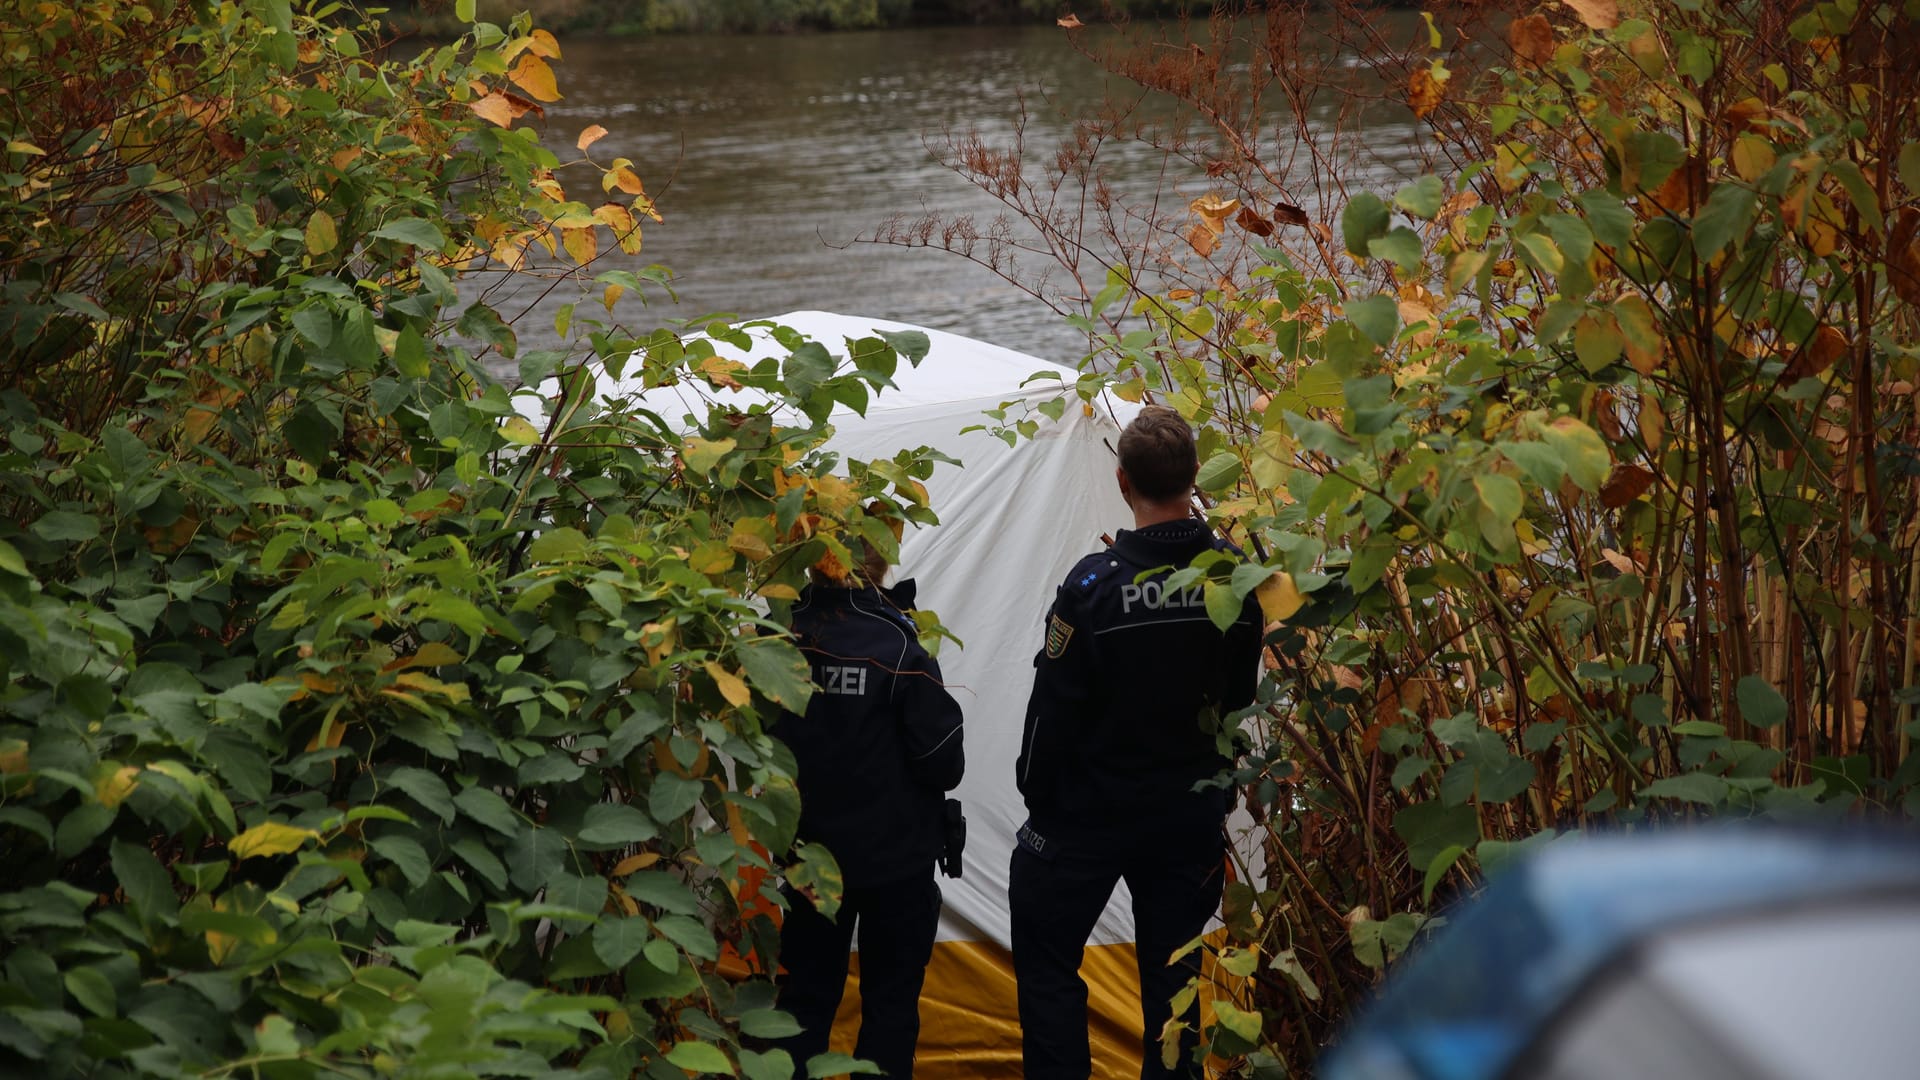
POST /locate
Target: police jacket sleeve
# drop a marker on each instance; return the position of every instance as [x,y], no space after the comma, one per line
[1063,692]
[1240,673]
[930,725]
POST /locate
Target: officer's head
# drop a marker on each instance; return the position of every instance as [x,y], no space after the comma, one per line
[1157,458]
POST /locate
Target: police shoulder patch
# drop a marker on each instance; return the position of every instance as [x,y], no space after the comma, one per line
[1059,632]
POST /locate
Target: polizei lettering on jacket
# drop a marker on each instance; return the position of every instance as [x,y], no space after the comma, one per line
[1151,596]
[851,680]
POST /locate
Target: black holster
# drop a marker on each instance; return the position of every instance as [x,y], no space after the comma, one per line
[956,839]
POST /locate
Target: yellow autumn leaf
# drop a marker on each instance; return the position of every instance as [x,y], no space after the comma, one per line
[633,864]
[778,591]
[322,234]
[732,687]
[834,493]
[624,178]
[545,44]
[519,431]
[494,109]
[1279,597]
[112,788]
[712,557]
[271,838]
[1214,210]
[534,76]
[17,146]
[592,135]
[625,230]
[583,245]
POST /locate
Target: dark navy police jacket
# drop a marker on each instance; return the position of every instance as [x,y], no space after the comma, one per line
[880,743]
[1117,729]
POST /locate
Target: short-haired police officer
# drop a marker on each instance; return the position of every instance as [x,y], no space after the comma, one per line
[1120,728]
[878,747]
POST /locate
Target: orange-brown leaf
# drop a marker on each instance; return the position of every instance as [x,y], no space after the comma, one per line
[590,136]
[1532,39]
[1253,222]
[626,180]
[1425,92]
[1597,14]
[1288,214]
[1069,22]
[1821,352]
[544,44]
[1204,240]
[1625,485]
[534,76]
[494,109]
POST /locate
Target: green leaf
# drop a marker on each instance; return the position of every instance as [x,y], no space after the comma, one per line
[835,1064]
[1728,214]
[1428,828]
[618,941]
[1378,317]
[1608,218]
[768,1024]
[778,671]
[534,855]
[672,796]
[407,854]
[1437,869]
[57,526]
[1581,450]
[583,894]
[772,1065]
[1422,198]
[415,232]
[1760,704]
[817,877]
[1401,247]
[144,880]
[1501,501]
[806,368]
[563,544]
[473,851]
[690,934]
[465,10]
[616,824]
[93,990]
[1910,166]
[1690,787]
[1219,473]
[489,809]
[1222,606]
[1364,219]
[424,788]
[1244,1023]
[662,890]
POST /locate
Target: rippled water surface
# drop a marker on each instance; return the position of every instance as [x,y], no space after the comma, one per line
[770,155]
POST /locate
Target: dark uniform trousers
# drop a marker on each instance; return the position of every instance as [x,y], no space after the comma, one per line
[1056,899]
[897,921]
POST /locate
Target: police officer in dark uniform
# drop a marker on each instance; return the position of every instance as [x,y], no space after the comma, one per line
[1121,726]
[878,747]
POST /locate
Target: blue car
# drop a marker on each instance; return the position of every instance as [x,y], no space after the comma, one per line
[1712,953]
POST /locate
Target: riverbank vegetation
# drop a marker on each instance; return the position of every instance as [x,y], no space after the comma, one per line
[1579,464]
[352,725]
[436,17]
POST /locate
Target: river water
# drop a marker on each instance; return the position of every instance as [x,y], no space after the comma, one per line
[769,156]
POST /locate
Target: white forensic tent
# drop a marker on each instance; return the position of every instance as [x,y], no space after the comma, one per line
[1013,521]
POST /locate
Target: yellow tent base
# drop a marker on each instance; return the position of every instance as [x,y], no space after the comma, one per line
[970,1026]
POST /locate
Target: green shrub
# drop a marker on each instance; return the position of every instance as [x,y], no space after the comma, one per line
[351,725]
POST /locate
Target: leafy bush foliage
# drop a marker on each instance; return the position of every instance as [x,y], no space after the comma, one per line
[351,724]
[1577,470]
